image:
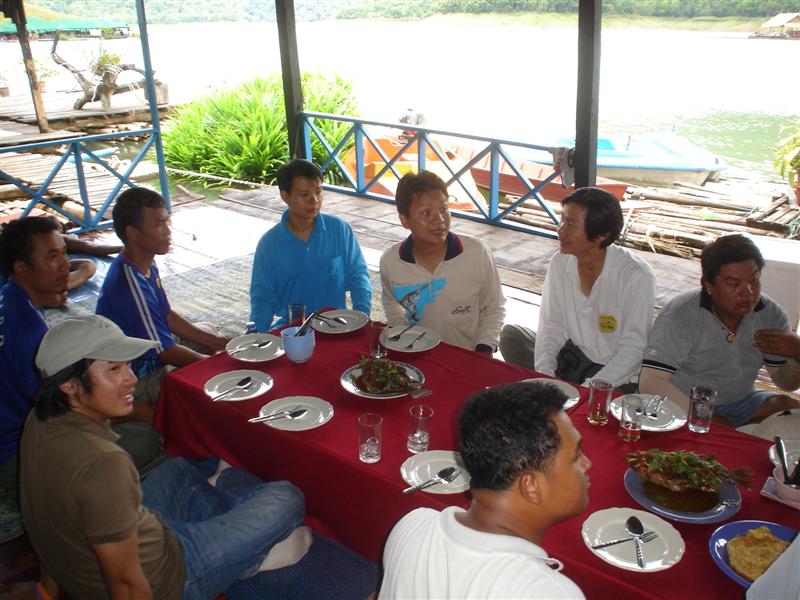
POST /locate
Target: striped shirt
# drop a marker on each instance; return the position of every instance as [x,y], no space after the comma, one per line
[138,304]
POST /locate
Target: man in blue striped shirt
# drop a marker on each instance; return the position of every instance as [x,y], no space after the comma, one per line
[132,295]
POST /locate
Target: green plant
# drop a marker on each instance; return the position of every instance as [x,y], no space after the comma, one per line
[787,155]
[241,132]
[103,61]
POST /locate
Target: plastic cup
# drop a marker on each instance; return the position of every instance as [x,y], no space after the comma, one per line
[296,313]
[298,348]
[369,437]
[630,418]
[376,348]
[599,397]
[701,408]
[419,428]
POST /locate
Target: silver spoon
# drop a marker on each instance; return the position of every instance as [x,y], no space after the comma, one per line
[254,345]
[242,384]
[284,414]
[446,475]
[396,337]
[635,528]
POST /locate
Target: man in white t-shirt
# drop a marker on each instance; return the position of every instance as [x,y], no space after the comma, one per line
[528,473]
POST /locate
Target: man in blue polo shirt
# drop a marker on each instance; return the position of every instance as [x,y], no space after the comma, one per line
[132,295]
[34,259]
[308,258]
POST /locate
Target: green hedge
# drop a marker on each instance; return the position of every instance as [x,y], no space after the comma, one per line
[241,132]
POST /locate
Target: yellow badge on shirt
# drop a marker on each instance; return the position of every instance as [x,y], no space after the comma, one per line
[608,323]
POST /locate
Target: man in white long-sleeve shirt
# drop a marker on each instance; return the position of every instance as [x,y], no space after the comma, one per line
[436,278]
[597,301]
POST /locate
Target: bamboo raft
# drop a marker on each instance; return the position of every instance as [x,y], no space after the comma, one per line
[681,221]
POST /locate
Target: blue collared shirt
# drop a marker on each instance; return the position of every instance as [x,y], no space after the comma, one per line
[317,273]
[22,327]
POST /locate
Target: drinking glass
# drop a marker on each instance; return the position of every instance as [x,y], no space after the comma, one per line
[630,418]
[369,437]
[376,348]
[701,408]
[296,313]
[419,428]
[599,396]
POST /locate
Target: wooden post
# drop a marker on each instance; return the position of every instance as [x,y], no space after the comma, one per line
[589,26]
[15,9]
[290,70]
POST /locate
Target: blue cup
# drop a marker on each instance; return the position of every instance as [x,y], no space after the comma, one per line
[298,349]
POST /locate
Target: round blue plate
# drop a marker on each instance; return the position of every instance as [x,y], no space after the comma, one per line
[718,543]
[729,503]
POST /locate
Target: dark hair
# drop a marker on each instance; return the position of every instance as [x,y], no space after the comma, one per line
[129,208]
[507,429]
[16,240]
[50,401]
[603,214]
[413,185]
[297,168]
[728,249]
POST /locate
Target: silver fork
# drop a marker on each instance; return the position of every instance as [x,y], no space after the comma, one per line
[646,537]
[659,400]
[415,340]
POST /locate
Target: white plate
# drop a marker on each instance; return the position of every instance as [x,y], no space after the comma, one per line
[670,415]
[425,465]
[609,524]
[318,412]
[261,384]
[252,354]
[430,340]
[792,453]
[355,320]
[573,395]
[347,381]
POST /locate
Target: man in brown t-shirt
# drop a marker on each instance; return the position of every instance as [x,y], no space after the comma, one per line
[82,500]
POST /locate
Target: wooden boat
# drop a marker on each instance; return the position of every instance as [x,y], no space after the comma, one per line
[408,162]
[509,183]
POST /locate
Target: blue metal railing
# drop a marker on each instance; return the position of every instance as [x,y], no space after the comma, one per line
[417,145]
[77,149]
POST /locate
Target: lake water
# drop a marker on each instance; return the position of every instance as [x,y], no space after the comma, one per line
[723,91]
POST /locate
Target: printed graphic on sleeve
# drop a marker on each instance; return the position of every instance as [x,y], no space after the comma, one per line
[414,298]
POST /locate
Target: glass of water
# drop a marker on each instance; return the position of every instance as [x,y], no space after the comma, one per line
[701,408]
[369,437]
[419,428]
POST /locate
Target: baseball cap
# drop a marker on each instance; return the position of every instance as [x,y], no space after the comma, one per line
[91,336]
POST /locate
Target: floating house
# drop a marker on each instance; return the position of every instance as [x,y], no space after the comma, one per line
[782,26]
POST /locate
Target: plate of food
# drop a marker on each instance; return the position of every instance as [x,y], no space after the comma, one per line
[415,339]
[743,550]
[425,465]
[255,347]
[573,395]
[663,415]
[381,378]
[608,525]
[685,486]
[339,321]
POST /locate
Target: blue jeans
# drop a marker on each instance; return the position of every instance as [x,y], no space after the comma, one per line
[224,531]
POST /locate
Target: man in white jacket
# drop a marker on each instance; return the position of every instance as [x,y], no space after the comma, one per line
[597,301]
[435,278]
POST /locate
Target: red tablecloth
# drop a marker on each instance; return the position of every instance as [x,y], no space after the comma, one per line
[359,503]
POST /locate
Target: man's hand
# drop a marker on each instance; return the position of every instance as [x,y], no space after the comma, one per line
[777,342]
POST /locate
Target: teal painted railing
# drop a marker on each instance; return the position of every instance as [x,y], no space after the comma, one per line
[415,147]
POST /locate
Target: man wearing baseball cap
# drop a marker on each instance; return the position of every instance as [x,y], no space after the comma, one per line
[97,531]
